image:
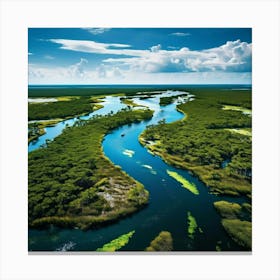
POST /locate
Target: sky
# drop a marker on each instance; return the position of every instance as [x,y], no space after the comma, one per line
[139,56]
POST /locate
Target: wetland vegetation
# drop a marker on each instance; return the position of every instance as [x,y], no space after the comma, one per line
[163,242]
[72,183]
[62,108]
[117,243]
[216,129]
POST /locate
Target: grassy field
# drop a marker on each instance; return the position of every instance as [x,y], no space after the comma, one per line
[72,184]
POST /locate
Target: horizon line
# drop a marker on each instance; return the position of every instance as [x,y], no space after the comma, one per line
[135,84]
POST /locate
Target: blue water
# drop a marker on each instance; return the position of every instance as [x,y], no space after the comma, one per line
[111,104]
[168,205]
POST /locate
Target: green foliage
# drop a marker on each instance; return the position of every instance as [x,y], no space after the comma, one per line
[192,225]
[35,130]
[240,231]
[60,109]
[235,225]
[185,183]
[80,91]
[117,243]
[201,141]
[137,195]
[71,178]
[163,242]
[166,100]
[227,209]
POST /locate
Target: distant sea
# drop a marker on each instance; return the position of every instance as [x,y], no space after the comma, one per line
[126,86]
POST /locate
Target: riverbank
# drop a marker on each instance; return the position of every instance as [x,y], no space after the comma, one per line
[201,144]
[81,187]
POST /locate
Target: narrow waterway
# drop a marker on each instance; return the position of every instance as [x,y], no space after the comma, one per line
[168,205]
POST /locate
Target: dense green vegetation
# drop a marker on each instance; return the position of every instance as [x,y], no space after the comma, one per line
[166,100]
[240,231]
[163,242]
[36,129]
[163,101]
[92,91]
[117,243]
[216,129]
[71,182]
[61,109]
[200,142]
[236,217]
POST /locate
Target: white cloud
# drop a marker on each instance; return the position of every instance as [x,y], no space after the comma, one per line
[77,70]
[232,56]
[75,73]
[97,31]
[156,48]
[149,66]
[95,47]
[180,34]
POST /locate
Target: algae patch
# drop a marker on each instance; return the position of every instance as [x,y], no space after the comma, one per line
[192,225]
[117,243]
[185,183]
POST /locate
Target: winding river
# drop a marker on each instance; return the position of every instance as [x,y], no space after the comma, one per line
[169,202]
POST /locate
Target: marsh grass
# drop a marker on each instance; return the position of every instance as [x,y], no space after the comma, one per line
[72,184]
[200,142]
[227,209]
[192,225]
[117,243]
[163,242]
[185,183]
[240,231]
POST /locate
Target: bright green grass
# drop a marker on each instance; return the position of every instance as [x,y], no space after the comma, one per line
[185,183]
[117,243]
[192,225]
[240,131]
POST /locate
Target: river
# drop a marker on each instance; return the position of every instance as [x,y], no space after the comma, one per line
[169,202]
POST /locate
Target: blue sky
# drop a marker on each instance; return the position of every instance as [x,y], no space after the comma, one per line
[140,55]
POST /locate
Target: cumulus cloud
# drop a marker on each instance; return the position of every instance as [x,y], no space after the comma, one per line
[234,56]
[156,48]
[77,70]
[75,73]
[128,63]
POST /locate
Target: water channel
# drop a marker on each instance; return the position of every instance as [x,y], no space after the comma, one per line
[169,202]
